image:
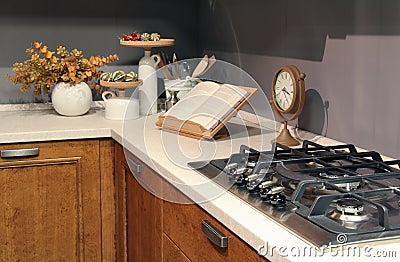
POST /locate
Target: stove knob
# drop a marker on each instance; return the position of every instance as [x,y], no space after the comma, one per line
[241,171]
[253,181]
[275,197]
[278,200]
[264,188]
[251,164]
[266,184]
[231,169]
[252,177]
[236,173]
[276,190]
[240,180]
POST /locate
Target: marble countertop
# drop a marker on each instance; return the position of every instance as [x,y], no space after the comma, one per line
[168,155]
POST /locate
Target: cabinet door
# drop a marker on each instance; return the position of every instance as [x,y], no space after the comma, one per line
[50,203]
[138,214]
[183,225]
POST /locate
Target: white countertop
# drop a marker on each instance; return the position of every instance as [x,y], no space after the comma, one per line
[168,154]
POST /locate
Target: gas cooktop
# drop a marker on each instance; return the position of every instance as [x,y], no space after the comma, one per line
[328,195]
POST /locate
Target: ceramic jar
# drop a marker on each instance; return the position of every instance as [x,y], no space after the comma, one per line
[148,90]
[71,100]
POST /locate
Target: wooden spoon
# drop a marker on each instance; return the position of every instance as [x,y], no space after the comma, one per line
[211,62]
[201,66]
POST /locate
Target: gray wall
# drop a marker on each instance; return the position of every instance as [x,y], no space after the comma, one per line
[93,27]
[349,50]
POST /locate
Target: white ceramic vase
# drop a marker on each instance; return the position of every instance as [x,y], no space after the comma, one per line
[71,100]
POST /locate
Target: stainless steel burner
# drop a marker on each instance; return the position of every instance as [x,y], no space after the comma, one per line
[350,206]
[346,186]
[349,221]
[350,186]
[341,216]
[350,213]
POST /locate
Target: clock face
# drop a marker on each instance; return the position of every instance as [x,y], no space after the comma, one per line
[283,90]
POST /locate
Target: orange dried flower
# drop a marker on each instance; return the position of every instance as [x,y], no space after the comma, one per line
[46,68]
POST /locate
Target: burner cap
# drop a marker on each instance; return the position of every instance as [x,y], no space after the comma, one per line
[349,186]
[349,205]
[328,175]
[349,201]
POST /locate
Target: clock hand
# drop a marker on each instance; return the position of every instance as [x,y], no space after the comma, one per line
[287,100]
[286,92]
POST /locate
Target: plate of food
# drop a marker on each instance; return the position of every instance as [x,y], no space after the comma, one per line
[145,40]
[119,79]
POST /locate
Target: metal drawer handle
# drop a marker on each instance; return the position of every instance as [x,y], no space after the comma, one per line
[137,167]
[25,152]
[213,234]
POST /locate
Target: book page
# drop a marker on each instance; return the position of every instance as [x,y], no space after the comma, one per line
[217,106]
[230,94]
[208,103]
[185,107]
[206,87]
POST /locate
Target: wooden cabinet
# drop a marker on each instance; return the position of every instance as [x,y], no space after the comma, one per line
[58,205]
[139,213]
[151,229]
[80,201]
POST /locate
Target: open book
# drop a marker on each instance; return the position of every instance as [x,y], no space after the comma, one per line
[205,108]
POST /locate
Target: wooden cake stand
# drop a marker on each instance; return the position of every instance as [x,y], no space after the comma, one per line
[121,86]
[148,45]
[147,68]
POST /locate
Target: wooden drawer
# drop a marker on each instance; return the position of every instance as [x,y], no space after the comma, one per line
[45,150]
[183,225]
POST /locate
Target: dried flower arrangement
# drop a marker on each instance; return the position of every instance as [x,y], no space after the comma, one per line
[46,68]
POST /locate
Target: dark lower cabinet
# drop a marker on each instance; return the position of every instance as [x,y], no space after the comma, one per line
[151,229]
[139,214]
